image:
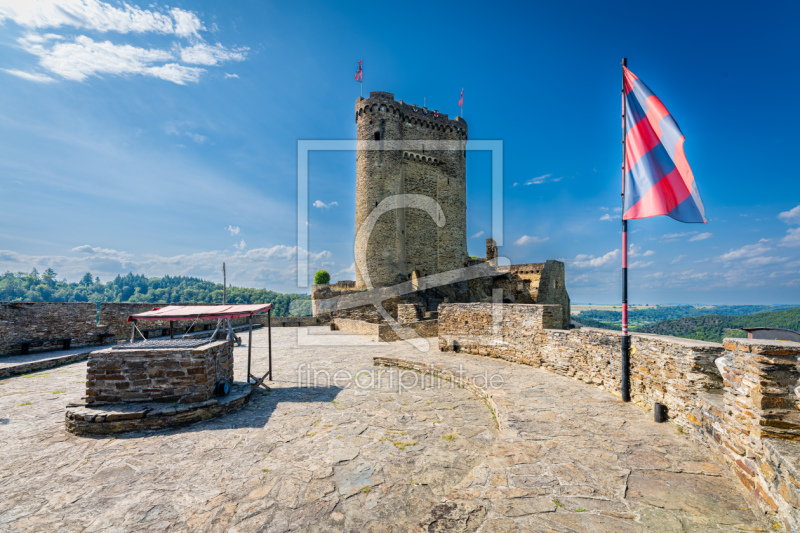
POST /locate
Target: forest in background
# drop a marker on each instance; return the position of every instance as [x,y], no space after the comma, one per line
[45,287]
[708,323]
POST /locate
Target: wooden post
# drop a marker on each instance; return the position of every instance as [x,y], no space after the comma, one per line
[171,329]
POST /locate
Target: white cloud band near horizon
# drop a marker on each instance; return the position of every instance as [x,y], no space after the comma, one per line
[272,268]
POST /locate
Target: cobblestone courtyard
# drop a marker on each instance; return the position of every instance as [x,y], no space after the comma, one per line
[340,444]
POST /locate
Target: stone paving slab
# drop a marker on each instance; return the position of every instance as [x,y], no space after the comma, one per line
[338,444]
[570,457]
[307,455]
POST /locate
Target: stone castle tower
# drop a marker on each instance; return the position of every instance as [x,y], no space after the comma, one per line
[411,150]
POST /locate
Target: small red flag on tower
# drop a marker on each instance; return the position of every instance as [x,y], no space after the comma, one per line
[461,100]
[359,74]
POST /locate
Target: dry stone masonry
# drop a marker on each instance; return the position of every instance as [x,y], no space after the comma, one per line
[31,321]
[172,375]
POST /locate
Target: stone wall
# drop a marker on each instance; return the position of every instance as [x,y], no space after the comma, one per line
[384,332]
[27,321]
[740,398]
[169,375]
[663,369]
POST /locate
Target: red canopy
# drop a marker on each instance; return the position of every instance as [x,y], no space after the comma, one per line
[192,312]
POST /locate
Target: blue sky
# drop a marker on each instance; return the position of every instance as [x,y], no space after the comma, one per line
[162,138]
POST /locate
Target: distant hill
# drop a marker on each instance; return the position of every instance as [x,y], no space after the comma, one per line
[642,317]
[35,287]
[715,327]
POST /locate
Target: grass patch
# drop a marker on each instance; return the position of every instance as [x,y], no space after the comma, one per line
[265,470]
[59,392]
[400,445]
[449,437]
[26,403]
[366,490]
[580,510]
[558,503]
[496,423]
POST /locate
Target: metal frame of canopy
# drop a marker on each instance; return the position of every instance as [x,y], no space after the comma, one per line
[174,313]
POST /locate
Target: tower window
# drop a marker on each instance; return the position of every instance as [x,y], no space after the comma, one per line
[377,136]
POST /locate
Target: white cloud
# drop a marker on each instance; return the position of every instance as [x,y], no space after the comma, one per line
[227,75]
[791,216]
[479,234]
[240,245]
[81,57]
[604,209]
[196,137]
[30,76]
[206,54]
[529,239]
[84,57]
[750,250]
[186,23]
[542,179]
[792,238]
[671,236]
[516,183]
[350,271]
[233,229]
[636,251]
[606,217]
[764,260]
[175,73]
[677,259]
[99,16]
[274,268]
[701,237]
[586,261]
[640,264]
[319,204]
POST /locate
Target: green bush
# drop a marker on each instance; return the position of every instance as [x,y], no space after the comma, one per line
[322,278]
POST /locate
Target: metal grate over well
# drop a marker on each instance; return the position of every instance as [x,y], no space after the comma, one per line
[154,344]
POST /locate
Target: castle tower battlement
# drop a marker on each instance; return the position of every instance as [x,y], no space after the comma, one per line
[418,151]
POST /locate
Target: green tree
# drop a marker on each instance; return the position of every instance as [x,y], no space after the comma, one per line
[87,279]
[322,278]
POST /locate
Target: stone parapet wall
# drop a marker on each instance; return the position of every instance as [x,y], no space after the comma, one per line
[289,321]
[357,327]
[752,424]
[180,375]
[663,369]
[28,321]
[384,332]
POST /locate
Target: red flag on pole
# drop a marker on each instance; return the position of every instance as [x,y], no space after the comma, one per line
[359,74]
[461,100]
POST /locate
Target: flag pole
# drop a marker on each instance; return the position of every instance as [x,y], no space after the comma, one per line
[361,68]
[626,340]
